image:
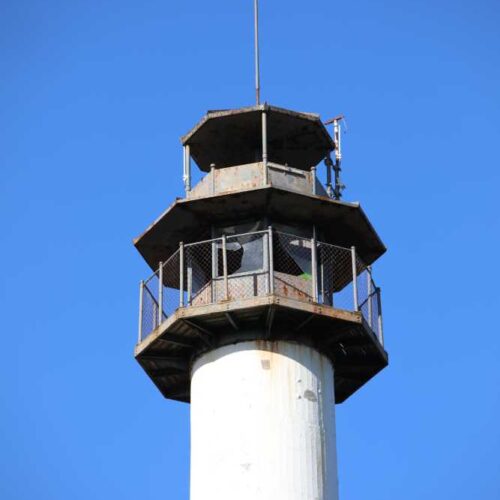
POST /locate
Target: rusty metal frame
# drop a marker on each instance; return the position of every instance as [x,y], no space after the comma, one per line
[184,281]
[141,298]
[354,278]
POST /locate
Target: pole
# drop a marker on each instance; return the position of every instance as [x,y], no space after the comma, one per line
[271,260]
[215,272]
[264,147]
[328,164]
[354,278]
[187,169]
[369,292]
[181,274]
[160,294]
[141,295]
[313,180]
[322,275]
[224,267]
[256,48]
[380,325]
[338,158]
[314,267]
[212,175]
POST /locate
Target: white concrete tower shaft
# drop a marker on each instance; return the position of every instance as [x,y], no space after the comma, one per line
[263,424]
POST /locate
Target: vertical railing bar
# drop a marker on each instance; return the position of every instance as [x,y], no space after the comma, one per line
[264,148]
[189,277]
[188,164]
[369,292]
[184,170]
[181,274]
[380,323]
[271,261]
[212,175]
[160,294]
[141,299]
[332,270]
[155,314]
[215,271]
[314,267]
[322,277]
[354,278]
[266,260]
[224,266]
[187,169]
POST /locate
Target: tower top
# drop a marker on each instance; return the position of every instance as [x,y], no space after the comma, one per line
[229,137]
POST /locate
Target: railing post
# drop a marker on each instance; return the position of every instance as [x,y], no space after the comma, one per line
[141,295]
[271,260]
[187,169]
[215,272]
[181,274]
[188,261]
[212,175]
[354,278]
[322,275]
[224,267]
[264,147]
[369,292]
[314,267]
[380,326]
[160,294]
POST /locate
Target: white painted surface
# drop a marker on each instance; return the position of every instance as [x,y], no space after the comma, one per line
[263,424]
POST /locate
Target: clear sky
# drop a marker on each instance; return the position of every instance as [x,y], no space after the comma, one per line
[94,96]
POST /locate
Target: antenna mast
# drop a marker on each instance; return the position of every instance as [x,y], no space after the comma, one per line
[256,42]
[336,193]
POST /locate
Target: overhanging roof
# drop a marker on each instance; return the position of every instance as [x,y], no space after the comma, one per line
[234,137]
[343,224]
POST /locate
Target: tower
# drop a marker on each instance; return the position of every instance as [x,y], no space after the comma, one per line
[261,311]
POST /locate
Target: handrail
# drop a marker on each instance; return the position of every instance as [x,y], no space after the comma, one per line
[302,272]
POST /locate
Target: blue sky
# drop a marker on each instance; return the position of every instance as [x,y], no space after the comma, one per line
[93,99]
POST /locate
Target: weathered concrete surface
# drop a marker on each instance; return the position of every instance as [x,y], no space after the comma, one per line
[263,424]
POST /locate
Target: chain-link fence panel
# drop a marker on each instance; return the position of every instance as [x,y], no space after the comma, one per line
[292,274]
[374,313]
[171,284]
[242,266]
[247,265]
[150,309]
[369,299]
[335,276]
[203,267]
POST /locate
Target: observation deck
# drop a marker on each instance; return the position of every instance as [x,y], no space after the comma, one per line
[260,250]
[223,290]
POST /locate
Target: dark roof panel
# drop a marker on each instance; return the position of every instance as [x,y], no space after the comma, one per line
[234,137]
[343,224]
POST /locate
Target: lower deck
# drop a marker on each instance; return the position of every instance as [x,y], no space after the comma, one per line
[343,336]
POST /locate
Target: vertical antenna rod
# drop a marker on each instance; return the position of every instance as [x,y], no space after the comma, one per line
[256,41]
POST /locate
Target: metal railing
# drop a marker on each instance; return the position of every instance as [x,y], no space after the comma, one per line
[253,175]
[242,266]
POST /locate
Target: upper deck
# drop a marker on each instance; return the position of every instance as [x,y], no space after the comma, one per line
[253,175]
[237,136]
